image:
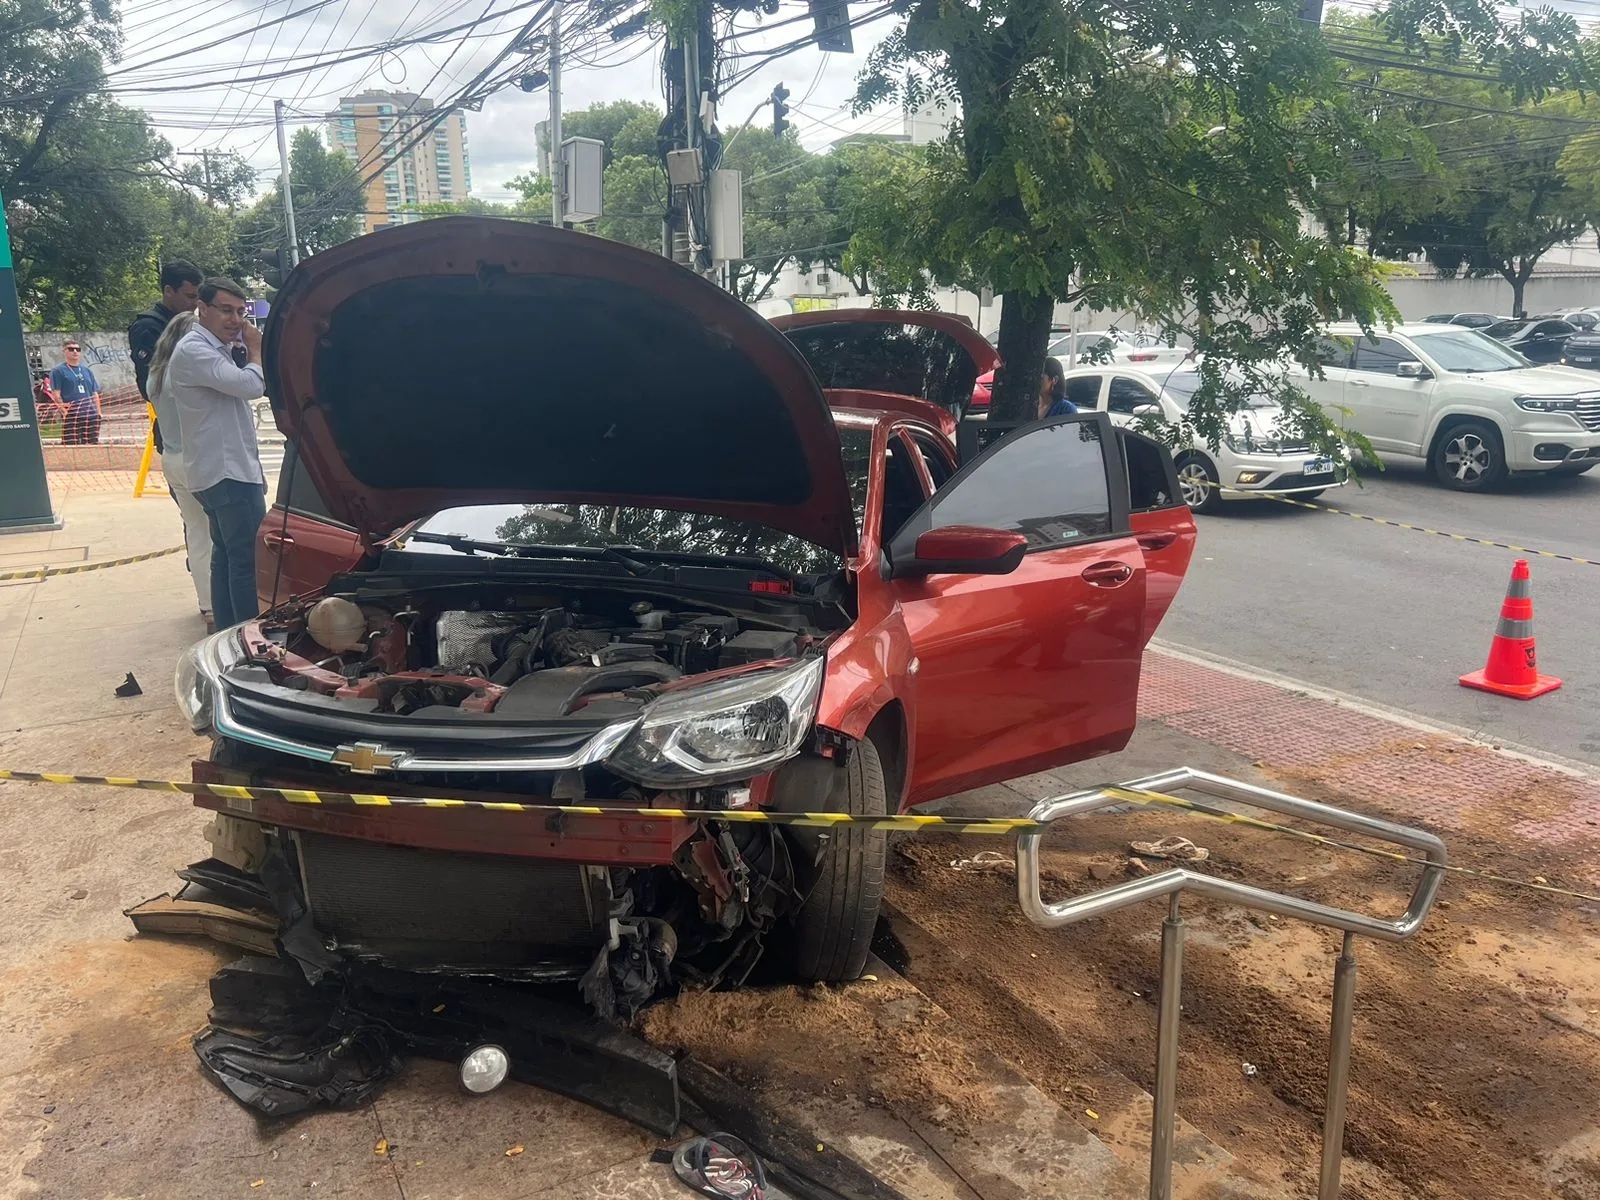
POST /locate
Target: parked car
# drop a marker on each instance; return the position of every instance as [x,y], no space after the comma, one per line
[1472,408]
[1254,459]
[1582,351]
[702,587]
[1472,320]
[1095,346]
[1538,341]
[1582,318]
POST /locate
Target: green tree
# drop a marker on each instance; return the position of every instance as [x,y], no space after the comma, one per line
[789,219]
[1154,158]
[329,201]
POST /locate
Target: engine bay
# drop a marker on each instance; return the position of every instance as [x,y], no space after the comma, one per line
[598,655]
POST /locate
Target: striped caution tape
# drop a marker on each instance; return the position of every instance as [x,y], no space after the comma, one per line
[909,822]
[38,573]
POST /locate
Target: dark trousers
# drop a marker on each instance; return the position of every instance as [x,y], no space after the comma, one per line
[82,424]
[236,511]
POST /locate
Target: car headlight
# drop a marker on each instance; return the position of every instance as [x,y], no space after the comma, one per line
[199,668]
[724,731]
[1548,403]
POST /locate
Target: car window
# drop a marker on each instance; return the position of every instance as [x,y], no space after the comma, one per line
[1127,394]
[1152,479]
[1381,356]
[1583,320]
[1504,329]
[1334,351]
[908,360]
[902,490]
[1047,482]
[296,492]
[935,457]
[1439,318]
[1084,390]
[1555,329]
[1468,351]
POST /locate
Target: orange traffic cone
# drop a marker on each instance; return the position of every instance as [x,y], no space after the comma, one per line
[1512,669]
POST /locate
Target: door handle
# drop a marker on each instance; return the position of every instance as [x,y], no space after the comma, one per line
[1358,383]
[1158,539]
[276,541]
[1110,574]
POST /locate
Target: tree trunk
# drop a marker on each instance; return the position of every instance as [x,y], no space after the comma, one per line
[1024,333]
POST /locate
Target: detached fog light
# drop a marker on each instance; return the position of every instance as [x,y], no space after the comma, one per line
[1252,476]
[484,1069]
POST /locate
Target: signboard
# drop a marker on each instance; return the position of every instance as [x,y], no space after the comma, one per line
[804,304]
[24,496]
[257,310]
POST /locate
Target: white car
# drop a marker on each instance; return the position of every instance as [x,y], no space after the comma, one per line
[1253,460]
[1472,408]
[1112,345]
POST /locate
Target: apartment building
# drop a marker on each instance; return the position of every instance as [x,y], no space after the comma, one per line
[381,129]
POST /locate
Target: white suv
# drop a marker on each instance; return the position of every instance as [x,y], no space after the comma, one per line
[1472,408]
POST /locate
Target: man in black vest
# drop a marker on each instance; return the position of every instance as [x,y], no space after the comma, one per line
[180,293]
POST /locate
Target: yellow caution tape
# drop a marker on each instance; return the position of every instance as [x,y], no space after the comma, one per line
[909,822]
[38,573]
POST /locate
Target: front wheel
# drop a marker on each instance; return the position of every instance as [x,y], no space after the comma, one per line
[1199,484]
[1469,457]
[839,872]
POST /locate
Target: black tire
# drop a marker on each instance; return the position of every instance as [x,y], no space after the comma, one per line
[840,875]
[1469,457]
[1197,477]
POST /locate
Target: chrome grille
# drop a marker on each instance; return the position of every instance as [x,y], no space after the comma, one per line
[1589,410]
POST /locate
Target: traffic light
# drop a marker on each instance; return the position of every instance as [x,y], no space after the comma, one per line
[780,110]
[275,269]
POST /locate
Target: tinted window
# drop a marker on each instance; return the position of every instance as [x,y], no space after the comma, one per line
[1504,329]
[1084,391]
[1555,329]
[1046,482]
[1128,394]
[1333,351]
[902,490]
[939,469]
[909,360]
[1152,480]
[1381,356]
[295,489]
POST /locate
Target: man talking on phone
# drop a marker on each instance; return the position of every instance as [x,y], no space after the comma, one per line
[212,395]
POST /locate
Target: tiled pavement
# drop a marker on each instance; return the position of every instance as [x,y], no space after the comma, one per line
[1442,780]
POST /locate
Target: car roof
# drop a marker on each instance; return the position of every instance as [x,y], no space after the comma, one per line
[1407,329]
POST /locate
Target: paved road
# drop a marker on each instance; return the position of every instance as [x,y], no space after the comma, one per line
[1395,616]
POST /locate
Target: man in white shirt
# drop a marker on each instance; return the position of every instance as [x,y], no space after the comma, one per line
[212,396]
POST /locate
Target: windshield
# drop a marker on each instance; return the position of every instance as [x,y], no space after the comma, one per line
[1505,329]
[652,529]
[1182,386]
[1467,351]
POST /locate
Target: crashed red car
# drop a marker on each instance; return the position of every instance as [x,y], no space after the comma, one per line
[655,569]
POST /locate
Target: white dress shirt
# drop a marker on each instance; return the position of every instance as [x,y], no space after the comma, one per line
[212,397]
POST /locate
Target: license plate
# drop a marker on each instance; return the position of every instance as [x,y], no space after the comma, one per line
[1582,358]
[1318,466]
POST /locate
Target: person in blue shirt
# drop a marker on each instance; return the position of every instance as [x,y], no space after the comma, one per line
[80,392]
[1053,400]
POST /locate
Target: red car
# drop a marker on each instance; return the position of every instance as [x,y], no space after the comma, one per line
[655,569]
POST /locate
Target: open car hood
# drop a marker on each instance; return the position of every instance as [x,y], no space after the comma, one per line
[935,357]
[470,360]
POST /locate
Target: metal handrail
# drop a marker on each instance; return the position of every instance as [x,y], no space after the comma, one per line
[1172,883]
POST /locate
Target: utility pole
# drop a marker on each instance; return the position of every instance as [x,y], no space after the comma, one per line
[283,184]
[557,175]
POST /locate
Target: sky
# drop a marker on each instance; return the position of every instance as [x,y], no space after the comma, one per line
[197,80]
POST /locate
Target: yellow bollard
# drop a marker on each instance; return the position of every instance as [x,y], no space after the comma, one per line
[144,462]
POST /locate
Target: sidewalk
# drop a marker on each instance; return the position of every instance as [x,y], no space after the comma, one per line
[99,1092]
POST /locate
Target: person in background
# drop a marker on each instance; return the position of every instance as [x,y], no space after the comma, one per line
[1053,400]
[75,384]
[196,524]
[180,292]
[221,464]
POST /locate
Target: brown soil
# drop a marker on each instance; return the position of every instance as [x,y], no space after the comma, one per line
[1476,1068]
[877,1041]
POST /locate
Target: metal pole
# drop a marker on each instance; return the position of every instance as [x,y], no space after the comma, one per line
[1344,1003]
[558,214]
[283,184]
[1164,1124]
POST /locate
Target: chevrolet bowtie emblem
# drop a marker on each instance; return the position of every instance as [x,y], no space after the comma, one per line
[366,758]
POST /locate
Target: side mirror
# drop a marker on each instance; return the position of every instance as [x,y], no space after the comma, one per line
[1413,370]
[963,550]
[1147,410]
